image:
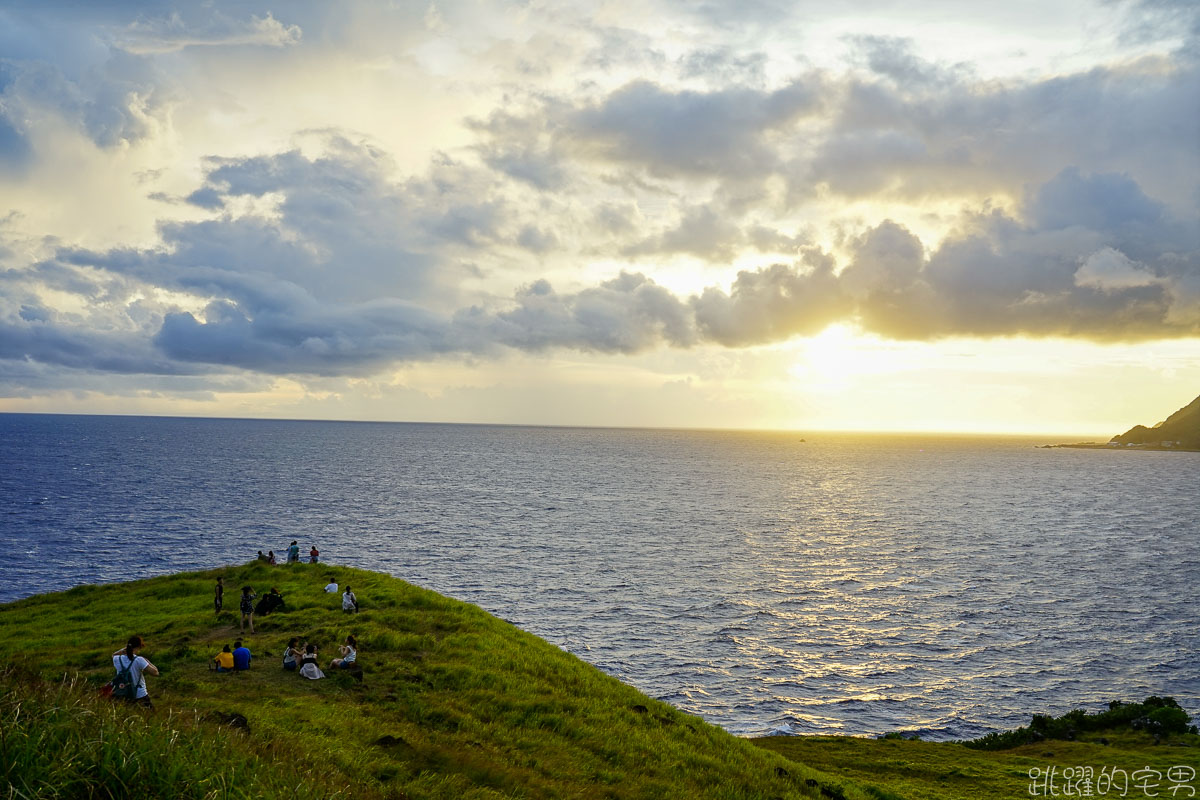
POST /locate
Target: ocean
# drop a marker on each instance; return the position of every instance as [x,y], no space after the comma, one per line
[848,584]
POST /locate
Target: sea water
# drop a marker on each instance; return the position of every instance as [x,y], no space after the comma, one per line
[844,584]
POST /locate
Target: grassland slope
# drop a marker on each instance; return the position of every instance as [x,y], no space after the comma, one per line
[454,703]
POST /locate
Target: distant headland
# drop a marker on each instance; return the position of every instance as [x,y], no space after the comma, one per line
[1180,431]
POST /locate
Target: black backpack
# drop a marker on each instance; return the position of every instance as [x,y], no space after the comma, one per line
[124,686]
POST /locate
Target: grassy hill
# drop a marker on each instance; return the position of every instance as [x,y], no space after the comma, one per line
[454,704]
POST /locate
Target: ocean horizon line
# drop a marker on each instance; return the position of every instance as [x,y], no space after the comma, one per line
[949,433]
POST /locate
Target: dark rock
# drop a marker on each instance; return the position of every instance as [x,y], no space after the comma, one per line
[640,709]
[780,772]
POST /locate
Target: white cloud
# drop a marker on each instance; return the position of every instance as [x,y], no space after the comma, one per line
[175,32]
[1111,270]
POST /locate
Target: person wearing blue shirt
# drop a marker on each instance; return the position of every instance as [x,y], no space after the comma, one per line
[241,656]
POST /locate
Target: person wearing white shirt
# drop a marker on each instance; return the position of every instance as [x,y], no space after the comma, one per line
[139,667]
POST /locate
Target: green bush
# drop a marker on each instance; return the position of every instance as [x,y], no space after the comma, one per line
[1161,716]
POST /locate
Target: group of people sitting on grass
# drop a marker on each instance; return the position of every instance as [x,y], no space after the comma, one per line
[302,658]
[297,657]
[293,555]
[230,660]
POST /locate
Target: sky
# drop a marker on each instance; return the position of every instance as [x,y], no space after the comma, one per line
[805,216]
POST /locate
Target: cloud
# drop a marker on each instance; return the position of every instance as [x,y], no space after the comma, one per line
[772,304]
[1111,270]
[704,231]
[113,97]
[1063,204]
[179,30]
[346,271]
[919,130]
[627,314]
[689,133]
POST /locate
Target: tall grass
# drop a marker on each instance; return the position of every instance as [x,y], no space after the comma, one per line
[63,741]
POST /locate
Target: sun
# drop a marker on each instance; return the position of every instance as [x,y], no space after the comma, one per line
[836,358]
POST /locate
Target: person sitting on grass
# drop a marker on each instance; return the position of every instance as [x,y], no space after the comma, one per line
[308,665]
[247,607]
[292,654]
[224,660]
[272,601]
[241,655]
[349,653]
[331,587]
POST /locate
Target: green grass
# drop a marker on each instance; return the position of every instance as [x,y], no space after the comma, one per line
[454,704]
[899,768]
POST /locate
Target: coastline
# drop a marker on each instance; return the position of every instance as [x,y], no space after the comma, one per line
[1119,447]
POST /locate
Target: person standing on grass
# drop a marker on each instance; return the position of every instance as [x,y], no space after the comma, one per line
[293,553]
[247,607]
[219,596]
[349,601]
[270,556]
[312,555]
[139,667]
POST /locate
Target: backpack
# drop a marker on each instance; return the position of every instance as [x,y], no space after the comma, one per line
[124,687]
